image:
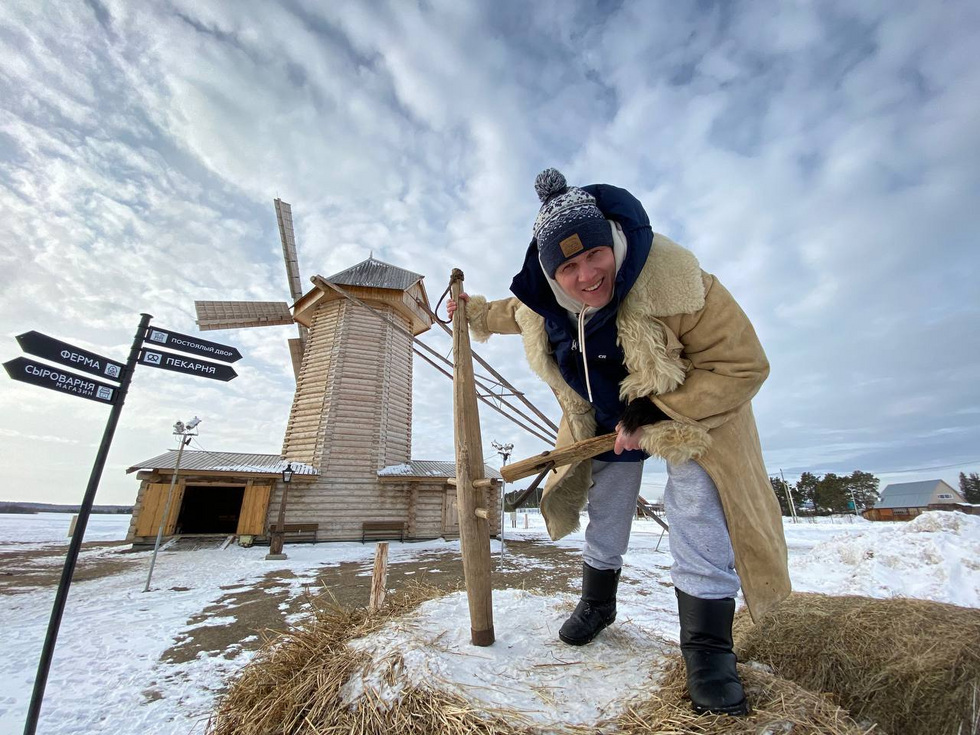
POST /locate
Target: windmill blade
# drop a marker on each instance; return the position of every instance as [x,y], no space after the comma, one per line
[284,215]
[239,314]
[296,354]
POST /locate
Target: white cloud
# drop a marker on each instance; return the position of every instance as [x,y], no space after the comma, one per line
[822,160]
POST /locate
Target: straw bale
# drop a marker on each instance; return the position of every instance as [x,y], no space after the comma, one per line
[299,685]
[912,666]
[779,707]
[295,685]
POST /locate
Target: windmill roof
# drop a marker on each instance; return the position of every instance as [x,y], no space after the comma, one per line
[373,273]
[430,468]
[236,462]
[908,494]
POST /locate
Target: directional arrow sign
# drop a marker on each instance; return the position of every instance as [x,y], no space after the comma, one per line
[46,376]
[193,345]
[35,343]
[181,364]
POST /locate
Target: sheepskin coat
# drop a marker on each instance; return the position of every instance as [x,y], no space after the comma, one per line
[690,348]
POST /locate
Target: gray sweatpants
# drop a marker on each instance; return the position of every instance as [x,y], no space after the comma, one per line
[704,562]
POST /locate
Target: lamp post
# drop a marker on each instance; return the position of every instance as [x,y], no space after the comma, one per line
[504,450]
[183,432]
[275,544]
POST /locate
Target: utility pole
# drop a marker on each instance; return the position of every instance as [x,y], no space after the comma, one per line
[789,496]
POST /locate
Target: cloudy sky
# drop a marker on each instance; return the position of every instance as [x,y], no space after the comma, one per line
[822,159]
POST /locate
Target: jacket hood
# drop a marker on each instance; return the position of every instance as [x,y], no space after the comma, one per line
[532,286]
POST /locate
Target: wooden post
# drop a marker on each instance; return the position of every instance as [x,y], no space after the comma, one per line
[71,527]
[474,529]
[379,577]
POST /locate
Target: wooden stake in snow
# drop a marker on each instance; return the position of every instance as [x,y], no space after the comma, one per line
[379,577]
[474,524]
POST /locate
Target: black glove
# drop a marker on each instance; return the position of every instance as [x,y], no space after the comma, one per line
[641,412]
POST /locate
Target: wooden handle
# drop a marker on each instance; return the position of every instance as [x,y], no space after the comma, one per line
[585,449]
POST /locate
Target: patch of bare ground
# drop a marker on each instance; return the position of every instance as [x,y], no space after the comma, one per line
[26,570]
[261,610]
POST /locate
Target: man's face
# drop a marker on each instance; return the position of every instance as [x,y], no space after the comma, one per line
[589,277]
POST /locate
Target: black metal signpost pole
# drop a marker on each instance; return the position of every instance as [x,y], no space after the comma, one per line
[61,597]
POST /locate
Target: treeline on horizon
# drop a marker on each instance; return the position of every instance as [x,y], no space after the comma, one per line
[27,508]
[851,493]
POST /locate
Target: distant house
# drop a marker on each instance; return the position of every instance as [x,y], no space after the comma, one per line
[903,501]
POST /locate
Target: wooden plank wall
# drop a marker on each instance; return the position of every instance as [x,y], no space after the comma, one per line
[137,508]
[255,508]
[311,403]
[153,498]
[340,507]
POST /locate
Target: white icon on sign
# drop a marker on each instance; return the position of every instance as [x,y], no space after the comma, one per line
[153,358]
[112,371]
[156,336]
[104,393]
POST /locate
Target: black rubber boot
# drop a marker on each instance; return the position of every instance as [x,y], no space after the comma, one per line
[706,643]
[595,610]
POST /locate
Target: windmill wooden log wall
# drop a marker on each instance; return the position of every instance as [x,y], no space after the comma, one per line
[351,416]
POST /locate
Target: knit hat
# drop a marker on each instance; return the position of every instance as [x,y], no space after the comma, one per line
[569,222]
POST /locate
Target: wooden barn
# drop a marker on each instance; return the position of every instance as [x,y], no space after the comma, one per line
[349,433]
[228,493]
[216,493]
[903,501]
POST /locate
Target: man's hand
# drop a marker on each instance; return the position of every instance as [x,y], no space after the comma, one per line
[451,305]
[626,440]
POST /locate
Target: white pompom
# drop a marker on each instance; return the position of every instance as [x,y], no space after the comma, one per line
[550,183]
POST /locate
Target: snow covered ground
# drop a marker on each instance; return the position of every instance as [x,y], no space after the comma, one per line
[108,676]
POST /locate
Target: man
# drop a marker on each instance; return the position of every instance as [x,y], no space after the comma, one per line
[634,337]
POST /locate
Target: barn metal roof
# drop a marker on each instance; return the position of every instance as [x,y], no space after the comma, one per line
[236,462]
[431,468]
[910,494]
[376,274]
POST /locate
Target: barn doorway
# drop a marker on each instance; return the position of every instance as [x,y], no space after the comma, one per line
[208,509]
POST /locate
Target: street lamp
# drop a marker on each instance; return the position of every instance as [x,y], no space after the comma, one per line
[504,450]
[275,543]
[183,432]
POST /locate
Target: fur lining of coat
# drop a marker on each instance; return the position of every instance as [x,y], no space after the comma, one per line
[476,318]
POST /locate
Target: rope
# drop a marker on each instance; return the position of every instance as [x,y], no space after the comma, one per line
[435,312]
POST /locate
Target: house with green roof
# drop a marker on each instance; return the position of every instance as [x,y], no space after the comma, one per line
[903,501]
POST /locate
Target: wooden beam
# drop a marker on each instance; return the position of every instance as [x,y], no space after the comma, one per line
[585,449]
[474,532]
[481,483]
[503,381]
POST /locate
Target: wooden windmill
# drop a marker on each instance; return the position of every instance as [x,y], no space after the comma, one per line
[352,411]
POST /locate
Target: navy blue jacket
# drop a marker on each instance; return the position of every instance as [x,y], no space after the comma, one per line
[603,356]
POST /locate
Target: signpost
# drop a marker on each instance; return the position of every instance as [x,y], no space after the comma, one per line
[37,373]
[41,345]
[40,681]
[192,345]
[181,364]
[66,381]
